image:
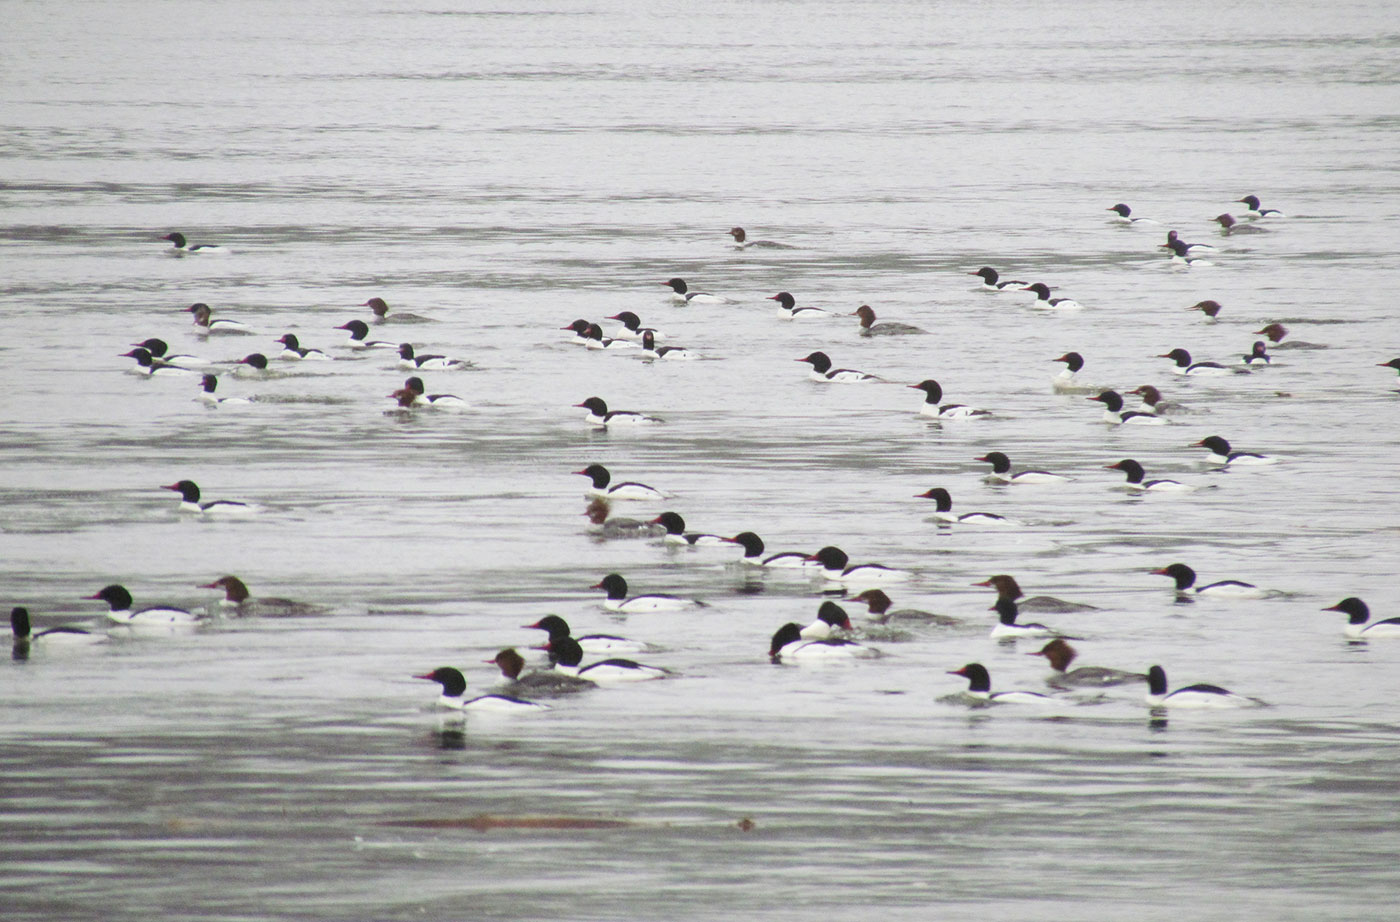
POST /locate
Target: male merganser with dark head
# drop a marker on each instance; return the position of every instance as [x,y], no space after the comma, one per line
[1182,255]
[1275,332]
[1001,471]
[410,360]
[742,241]
[632,327]
[1359,614]
[358,330]
[1185,579]
[979,688]
[616,588]
[1114,412]
[381,313]
[823,372]
[539,682]
[148,366]
[1208,307]
[1059,654]
[879,605]
[210,383]
[566,655]
[1125,216]
[606,526]
[236,596]
[868,326]
[1043,299]
[179,246]
[1191,696]
[788,645]
[933,392]
[1007,626]
[753,554]
[596,340]
[252,365]
[1065,382]
[1135,474]
[1184,365]
[944,512]
[580,328]
[788,309]
[454,695]
[681,293]
[1393,363]
[604,487]
[1259,355]
[1229,226]
[992,281]
[1007,588]
[1175,244]
[1255,211]
[835,567]
[1220,453]
[830,619]
[598,415]
[189,501]
[204,324]
[557,628]
[161,353]
[66,635]
[293,350]
[412,395]
[677,535]
[669,353]
[119,604]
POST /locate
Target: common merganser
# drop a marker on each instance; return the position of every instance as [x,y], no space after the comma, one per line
[237,596]
[605,526]
[1359,613]
[1007,588]
[868,326]
[1114,412]
[1001,471]
[580,328]
[1393,363]
[669,353]
[1184,365]
[1255,211]
[161,353]
[629,489]
[254,364]
[381,313]
[681,293]
[1125,216]
[204,324]
[677,535]
[67,635]
[1175,244]
[1135,474]
[412,395]
[1043,299]
[879,604]
[539,682]
[616,588]
[742,241]
[992,281]
[596,340]
[1182,256]
[210,383]
[1220,453]
[823,372]
[1059,654]
[557,628]
[1007,626]
[753,554]
[1153,402]
[944,511]
[598,415]
[1191,696]
[189,501]
[1208,307]
[454,695]
[787,308]
[933,392]
[979,688]
[835,568]
[1065,382]
[179,247]
[1185,579]
[358,330]
[830,618]
[567,655]
[149,367]
[1229,226]
[293,350]
[632,327]
[788,645]
[410,360]
[1277,331]
[1258,355]
[119,604]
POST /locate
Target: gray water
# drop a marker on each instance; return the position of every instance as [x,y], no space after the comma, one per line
[503,169]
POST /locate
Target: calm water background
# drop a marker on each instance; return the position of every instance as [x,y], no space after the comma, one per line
[505,168]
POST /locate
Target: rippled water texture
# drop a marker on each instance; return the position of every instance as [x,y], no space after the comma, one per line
[503,169]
